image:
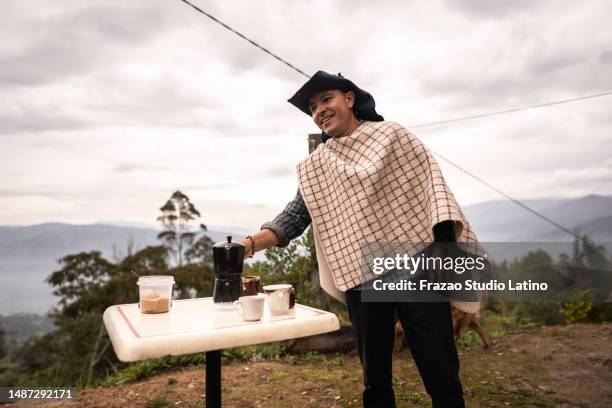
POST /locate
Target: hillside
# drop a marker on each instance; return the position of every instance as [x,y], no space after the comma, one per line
[554,366]
[21,326]
[505,221]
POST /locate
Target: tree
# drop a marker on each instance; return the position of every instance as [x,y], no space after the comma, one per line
[193,280]
[177,216]
[200,253]
[2,344]
[79,281]
[588,264]
[593,256]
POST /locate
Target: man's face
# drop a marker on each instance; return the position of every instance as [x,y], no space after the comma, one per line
[331,111]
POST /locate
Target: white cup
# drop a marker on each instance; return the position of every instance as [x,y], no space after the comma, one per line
[250,307]
[277,298]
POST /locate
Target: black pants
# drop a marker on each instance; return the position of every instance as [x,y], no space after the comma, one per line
[429,333]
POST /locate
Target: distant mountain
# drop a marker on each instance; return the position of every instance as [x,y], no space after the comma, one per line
[598,229]
[28,254]
[21,326]
[505,221]
[54,240]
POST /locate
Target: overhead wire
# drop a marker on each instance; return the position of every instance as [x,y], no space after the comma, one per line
[244,37]
[514,200]
[503,112]
[477,116]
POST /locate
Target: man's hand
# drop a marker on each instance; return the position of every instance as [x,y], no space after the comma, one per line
[247,247]
[263,239]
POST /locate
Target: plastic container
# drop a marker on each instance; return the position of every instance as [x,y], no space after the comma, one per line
[155,293]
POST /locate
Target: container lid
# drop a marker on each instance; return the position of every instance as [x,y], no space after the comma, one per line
[228,244]
[156,280]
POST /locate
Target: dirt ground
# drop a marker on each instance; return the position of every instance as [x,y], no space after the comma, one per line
[566,366]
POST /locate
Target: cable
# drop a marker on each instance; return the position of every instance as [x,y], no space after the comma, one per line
[246,38]
[484,115]
[541,105]
[526,207]
[531,210]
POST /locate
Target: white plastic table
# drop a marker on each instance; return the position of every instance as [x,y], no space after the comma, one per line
[197,325]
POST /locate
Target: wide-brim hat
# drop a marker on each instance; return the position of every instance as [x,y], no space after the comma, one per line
[364,107]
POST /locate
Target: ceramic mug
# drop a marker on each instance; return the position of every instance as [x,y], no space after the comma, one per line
[250,307]
[278,298]
[250,285]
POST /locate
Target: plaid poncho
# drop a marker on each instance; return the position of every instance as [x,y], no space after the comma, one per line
[378,184]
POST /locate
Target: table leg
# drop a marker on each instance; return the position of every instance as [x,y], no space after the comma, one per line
[213,379]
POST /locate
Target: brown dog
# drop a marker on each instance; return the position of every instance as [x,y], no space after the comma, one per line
[461,320]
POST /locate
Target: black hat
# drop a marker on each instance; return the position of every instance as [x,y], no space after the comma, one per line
[364,107]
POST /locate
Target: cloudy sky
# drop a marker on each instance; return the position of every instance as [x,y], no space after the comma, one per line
[107,107]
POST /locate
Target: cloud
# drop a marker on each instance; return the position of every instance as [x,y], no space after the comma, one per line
[136,98]
[281,170]
[19,121]
[122,168]
[606,57]
[56,43]
[553,64]
[573,180]
[546,54]
[492,9]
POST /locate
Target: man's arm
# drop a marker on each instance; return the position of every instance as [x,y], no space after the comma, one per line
[263,239]
[287,225]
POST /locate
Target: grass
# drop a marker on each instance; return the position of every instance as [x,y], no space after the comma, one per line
[158,402]
[169,399]
[149,368]
[496,325]
[265,352]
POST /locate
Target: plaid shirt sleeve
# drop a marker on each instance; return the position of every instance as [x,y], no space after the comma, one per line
[291,222]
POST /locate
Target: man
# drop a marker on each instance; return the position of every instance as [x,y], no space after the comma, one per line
[372,181]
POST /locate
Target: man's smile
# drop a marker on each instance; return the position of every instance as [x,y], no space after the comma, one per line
[326,119]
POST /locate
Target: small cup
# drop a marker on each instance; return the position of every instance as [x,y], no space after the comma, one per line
[250,285]
[155,293]
[279,298]
[250,307]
